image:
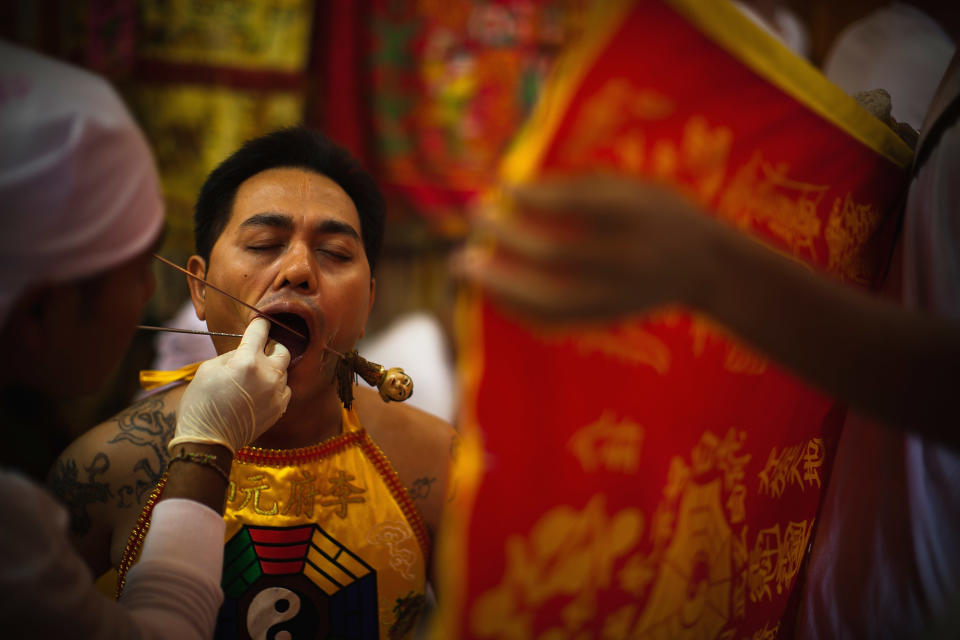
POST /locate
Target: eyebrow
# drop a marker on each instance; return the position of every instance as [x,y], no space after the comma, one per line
[284,221]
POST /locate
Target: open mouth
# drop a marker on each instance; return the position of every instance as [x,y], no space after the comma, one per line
[294,343]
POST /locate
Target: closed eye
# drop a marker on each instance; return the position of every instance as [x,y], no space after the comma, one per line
[339,256]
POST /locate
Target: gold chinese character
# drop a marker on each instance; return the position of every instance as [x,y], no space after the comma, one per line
[252,494]
[343,493]
[791,553]
[302,496]
[813,461]
[763,563]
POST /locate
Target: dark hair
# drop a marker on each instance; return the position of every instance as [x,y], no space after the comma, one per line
[296,147]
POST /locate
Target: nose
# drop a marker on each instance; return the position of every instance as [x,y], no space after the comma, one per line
[297,269]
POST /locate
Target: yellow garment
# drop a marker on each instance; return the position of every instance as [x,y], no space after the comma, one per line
[323,541]
[155,378]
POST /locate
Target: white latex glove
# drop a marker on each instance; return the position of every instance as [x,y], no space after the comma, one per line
[236,396]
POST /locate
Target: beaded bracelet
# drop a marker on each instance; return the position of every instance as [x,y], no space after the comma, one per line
[206,459]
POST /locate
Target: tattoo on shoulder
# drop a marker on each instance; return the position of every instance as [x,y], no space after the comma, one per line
[145,425]
[77,494]
[79,486]
[421,488]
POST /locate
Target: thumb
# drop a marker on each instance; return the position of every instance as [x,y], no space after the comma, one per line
[278,355]
[255,337]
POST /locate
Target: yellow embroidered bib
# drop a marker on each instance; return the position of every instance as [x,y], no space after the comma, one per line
[321,542]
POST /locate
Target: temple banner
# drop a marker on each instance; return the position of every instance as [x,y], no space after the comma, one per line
[656,478]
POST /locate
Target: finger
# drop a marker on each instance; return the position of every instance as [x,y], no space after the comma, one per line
[534,288]
[595,254]
[285,395]
[522,240]
[278,355]
[548,297]
[600,200]
[255,337]
[565,197]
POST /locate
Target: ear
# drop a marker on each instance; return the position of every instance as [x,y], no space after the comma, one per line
[198,290]
[373,289]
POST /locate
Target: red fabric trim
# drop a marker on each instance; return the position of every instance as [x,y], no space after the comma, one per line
[135,541]
[342,107]
[288,457]
[399,492]
[158,71]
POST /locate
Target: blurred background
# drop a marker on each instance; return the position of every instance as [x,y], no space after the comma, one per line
[427,93]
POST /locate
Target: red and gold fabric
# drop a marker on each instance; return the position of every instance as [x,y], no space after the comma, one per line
[452,81]
[656,478]
[322,541]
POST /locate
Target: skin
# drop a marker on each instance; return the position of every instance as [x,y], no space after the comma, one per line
[586,250]
[50,333]
[292,243]
[92,320]
[81,330]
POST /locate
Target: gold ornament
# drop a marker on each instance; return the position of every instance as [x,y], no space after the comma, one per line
[393,383]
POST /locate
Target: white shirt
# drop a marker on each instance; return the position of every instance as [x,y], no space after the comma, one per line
[886,558]
[898,48]
[46,589]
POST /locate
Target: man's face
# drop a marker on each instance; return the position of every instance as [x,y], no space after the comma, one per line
[292,248]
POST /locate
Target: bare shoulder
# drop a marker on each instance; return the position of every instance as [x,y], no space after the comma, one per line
[105,476]
[419,447]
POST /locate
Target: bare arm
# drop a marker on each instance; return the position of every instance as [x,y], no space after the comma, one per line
[591,249]
[105,476]
[899,366]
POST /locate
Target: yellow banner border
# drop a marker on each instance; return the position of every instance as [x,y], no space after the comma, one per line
[558,90]
[722,22]
[467,470]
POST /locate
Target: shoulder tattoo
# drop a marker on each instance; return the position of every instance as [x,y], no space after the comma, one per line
[78,485]
[76,493]
[145,425]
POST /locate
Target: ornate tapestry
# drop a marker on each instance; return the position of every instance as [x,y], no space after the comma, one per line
[656,478]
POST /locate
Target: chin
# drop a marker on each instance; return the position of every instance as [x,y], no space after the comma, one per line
[307,383]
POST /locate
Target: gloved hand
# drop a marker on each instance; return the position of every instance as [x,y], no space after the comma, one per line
[236,396]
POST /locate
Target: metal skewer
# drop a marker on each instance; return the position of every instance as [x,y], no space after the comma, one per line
[232,297]
[196,331]
[200,332]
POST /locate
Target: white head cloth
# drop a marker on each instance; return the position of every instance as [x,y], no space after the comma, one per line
[79,191]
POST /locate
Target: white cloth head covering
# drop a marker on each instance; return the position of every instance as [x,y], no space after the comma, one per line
[79,191]
[898,48]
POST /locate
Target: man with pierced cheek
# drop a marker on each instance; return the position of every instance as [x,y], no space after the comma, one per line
[331,514]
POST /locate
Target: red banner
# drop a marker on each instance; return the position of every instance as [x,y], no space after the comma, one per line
[656,478]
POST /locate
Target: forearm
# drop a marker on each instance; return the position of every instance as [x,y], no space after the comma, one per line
[46,590]
[899,366]
[174,589]
[197,481]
